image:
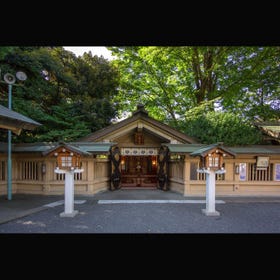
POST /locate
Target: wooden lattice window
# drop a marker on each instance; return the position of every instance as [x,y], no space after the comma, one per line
[77,176]
[60,176]
[29,170]
[255,174]
[202,176]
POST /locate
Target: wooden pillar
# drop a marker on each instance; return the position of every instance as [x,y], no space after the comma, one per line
[90,175]
[47,177]
[186,176]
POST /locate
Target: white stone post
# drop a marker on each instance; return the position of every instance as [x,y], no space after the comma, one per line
[69,196]
[69,192]
[210,194]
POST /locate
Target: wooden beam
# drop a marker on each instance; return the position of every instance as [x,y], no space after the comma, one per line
[14,129]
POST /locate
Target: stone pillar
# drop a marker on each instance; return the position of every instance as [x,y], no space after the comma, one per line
[69,192]
[69,196]
[210,194]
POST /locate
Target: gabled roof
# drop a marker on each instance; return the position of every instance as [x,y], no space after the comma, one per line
[94,148]
[204,150]
[139,114]
[14,121]
[74,149]
[270,129]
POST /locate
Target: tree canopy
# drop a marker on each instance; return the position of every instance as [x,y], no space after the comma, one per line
[70,96]
[213,93]
[174,82]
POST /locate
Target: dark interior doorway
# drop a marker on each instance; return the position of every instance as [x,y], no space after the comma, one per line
[139,171]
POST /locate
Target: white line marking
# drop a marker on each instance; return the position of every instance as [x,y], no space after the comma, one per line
[79,201]
[60,202]
[154,201]
[53,204]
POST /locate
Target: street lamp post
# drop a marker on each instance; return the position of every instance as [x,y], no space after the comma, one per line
[10,80]
[9,178]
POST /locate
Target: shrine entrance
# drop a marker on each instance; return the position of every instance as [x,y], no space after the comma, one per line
[139,171]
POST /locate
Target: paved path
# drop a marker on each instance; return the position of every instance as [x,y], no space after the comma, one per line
[41,214]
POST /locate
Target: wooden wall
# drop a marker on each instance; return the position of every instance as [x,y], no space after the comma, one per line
[180,179]
[28,177]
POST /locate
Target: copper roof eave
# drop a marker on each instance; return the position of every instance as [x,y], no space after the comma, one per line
[15,125]
[82,148]
[67,146]
[10,119]
[204,150]
[11,127]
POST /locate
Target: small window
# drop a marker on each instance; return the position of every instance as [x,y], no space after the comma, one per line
[66,161]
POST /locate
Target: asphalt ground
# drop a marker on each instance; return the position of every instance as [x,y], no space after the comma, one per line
[158,213]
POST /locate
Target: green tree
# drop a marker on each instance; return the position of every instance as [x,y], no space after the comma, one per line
[168,80]
[252,82]
[70,96]
[217,126]
[172,81]
[97,86]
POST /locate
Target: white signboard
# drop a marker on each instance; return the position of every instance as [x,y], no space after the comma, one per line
[242,171]
[277,172]
[262,163]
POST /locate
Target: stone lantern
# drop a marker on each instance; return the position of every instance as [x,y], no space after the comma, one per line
[68,162]
[211,163]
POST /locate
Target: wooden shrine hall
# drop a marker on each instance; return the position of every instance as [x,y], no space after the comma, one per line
[141,152]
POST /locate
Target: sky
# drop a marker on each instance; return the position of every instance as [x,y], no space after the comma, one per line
[79,51]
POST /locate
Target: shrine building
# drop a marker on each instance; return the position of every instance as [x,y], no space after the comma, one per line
[141,152]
